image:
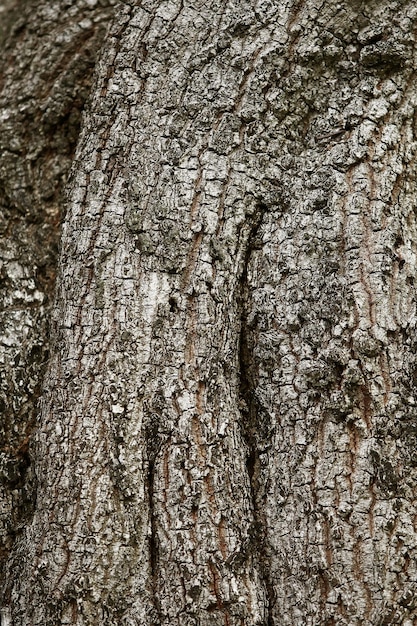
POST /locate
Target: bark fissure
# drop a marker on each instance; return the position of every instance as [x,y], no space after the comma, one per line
[250,425]
[153,546]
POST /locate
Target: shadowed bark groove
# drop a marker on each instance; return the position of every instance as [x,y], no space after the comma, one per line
[250,422]
[227,427]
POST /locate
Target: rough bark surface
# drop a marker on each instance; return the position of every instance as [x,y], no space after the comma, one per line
[48,55]
[228,423]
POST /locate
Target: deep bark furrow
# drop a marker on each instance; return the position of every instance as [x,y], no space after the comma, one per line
[249,425]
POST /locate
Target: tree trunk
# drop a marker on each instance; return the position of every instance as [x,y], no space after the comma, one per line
[227,427]
[48,52]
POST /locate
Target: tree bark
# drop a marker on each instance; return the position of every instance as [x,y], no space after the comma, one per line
[227,427]
[48,55]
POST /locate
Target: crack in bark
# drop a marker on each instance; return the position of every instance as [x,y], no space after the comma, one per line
[153,547]
[249,417]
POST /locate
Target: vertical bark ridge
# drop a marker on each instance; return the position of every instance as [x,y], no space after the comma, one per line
[326,354]
[90,530]
[108,415]
[48,55]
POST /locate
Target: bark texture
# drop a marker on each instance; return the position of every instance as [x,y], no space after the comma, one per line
[228,424]
[48,55]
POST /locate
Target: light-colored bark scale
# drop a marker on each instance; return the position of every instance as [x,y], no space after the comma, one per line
[227,432]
